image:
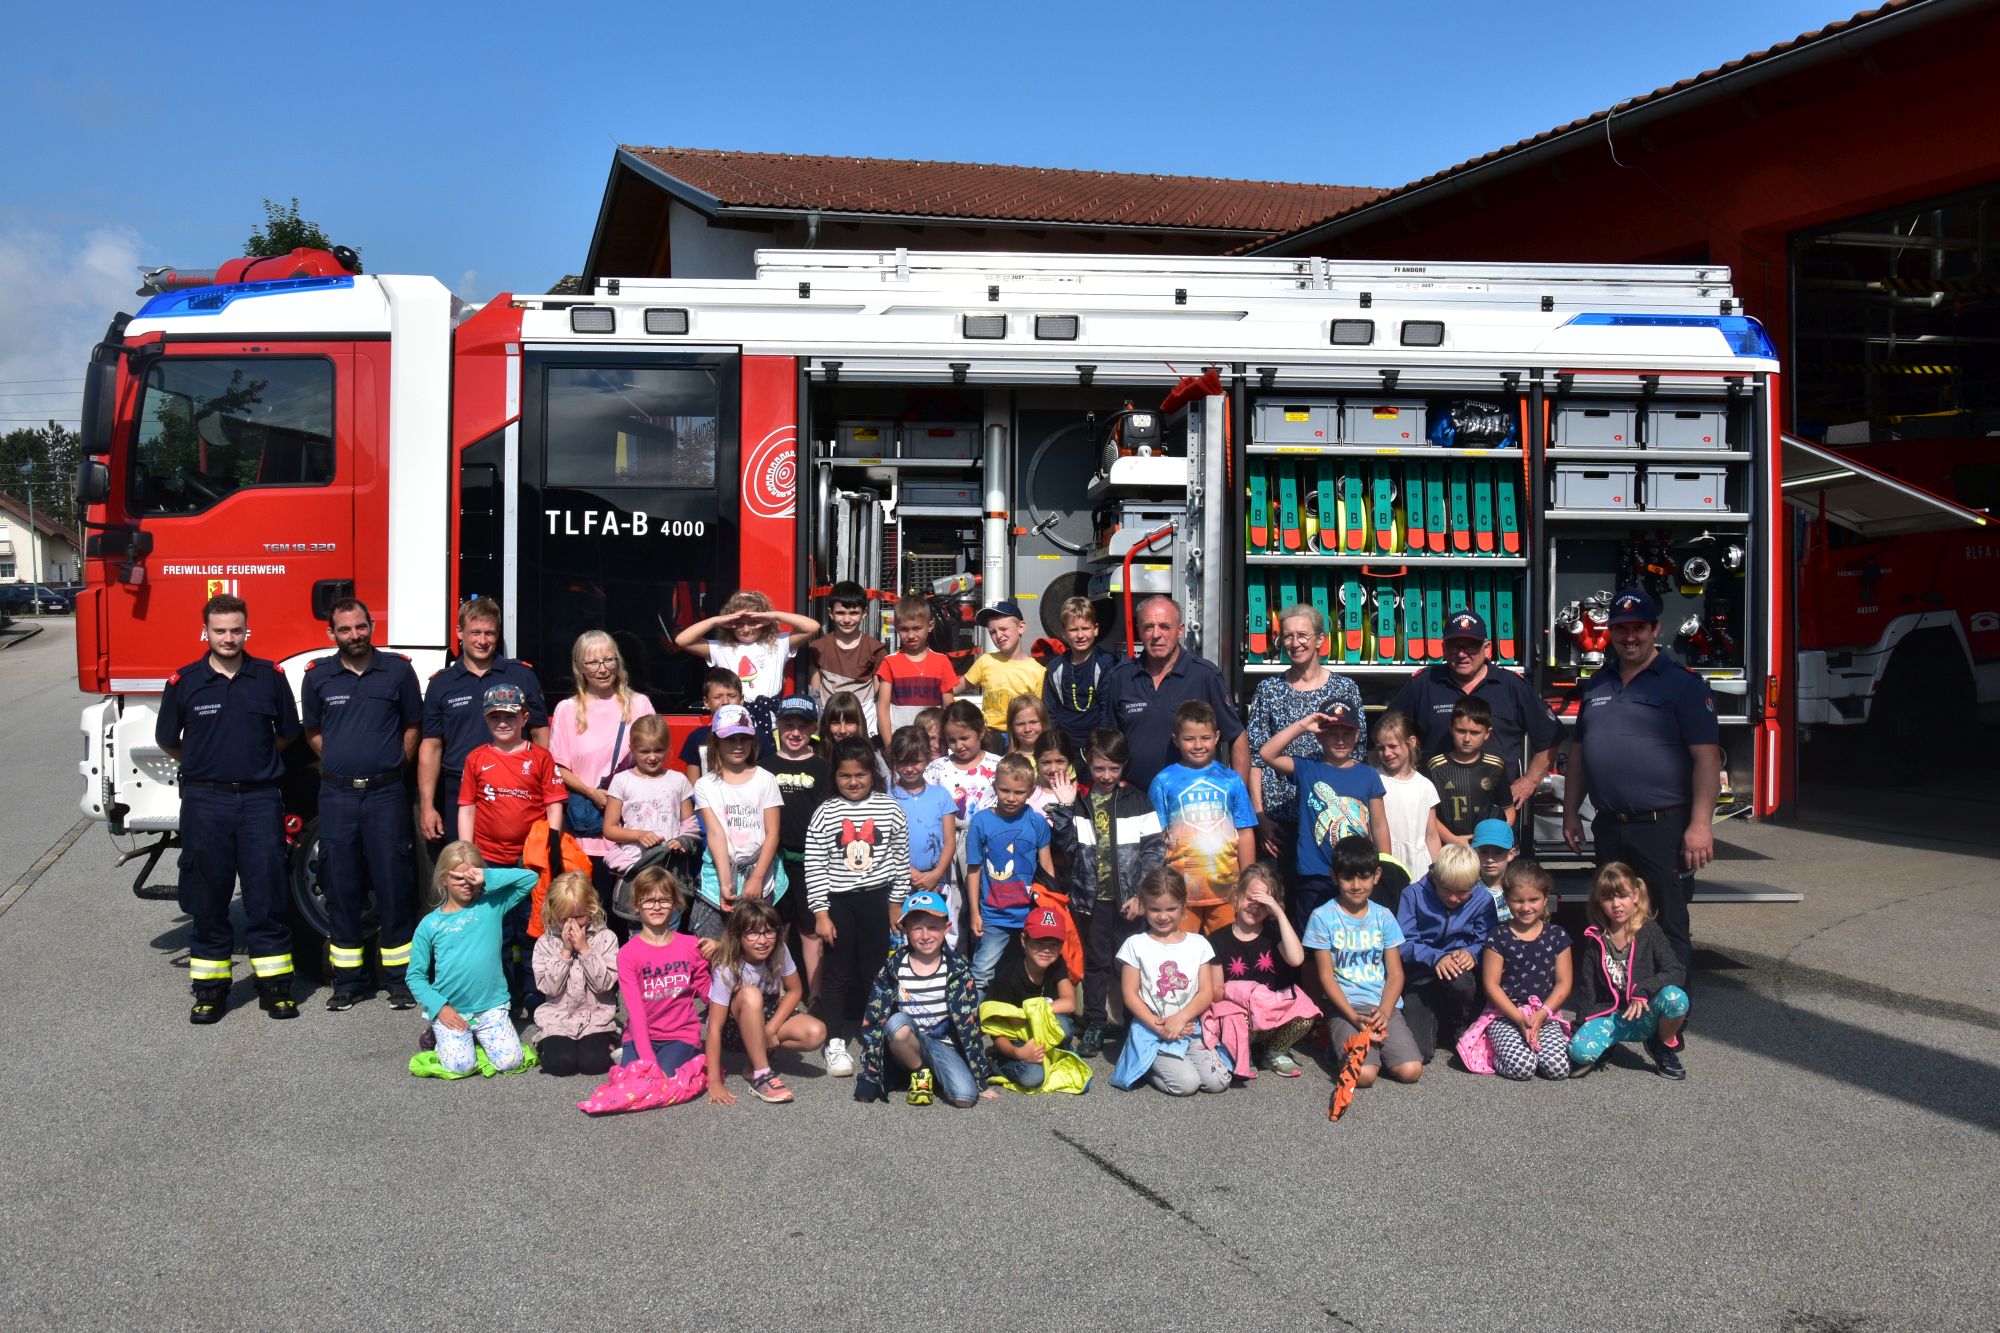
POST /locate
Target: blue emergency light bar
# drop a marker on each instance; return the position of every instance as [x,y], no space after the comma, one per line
[1745,336]
[212,300]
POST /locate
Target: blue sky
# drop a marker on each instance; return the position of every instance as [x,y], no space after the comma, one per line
[473,142]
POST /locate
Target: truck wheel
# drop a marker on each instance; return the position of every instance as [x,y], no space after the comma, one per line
[310,923]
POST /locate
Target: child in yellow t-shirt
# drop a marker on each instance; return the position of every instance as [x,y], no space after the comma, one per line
[1004,674]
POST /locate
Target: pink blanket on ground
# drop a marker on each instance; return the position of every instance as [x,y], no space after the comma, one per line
[1246,1008]
[640,1086]
[1477,1052]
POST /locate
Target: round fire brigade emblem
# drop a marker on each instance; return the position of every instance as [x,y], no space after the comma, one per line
[770,475]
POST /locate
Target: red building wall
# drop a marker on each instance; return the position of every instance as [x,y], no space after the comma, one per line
[1728,180]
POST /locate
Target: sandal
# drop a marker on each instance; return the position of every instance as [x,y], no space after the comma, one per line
[770,1088]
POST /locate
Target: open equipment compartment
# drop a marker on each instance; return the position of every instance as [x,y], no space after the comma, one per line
[1681,527]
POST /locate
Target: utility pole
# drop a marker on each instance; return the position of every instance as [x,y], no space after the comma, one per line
[28,470]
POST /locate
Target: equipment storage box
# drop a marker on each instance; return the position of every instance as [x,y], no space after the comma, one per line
[929,494]
[1300,421]
[1700,489]
[1592,486]
[1596,426]
[1687,428]
[940,439]
[1382,421]
[1121,525]
[864,439]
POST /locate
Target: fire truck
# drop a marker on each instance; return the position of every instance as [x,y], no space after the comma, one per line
[1386,443]
[1898,603]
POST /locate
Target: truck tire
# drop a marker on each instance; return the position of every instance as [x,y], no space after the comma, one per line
[1925,695]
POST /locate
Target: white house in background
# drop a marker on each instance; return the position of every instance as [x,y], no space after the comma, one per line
[50,556]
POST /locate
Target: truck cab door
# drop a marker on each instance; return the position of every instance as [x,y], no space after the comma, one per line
[241,468]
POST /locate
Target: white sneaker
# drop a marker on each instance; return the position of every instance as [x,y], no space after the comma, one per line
[838,1062]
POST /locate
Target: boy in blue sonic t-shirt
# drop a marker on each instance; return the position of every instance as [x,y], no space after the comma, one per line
[1005,844]
[1339,797]
[1355,948]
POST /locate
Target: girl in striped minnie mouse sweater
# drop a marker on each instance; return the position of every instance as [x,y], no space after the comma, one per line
[857,867]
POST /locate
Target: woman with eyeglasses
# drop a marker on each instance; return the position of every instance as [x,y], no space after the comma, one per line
[590,735]
[1306,687]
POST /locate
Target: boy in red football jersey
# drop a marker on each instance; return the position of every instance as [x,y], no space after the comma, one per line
[509,783]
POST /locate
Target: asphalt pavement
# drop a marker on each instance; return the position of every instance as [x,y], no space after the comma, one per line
[1829,1165]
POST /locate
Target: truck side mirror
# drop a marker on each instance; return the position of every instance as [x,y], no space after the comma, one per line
[93,481]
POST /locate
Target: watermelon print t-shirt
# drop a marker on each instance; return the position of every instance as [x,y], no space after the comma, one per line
[761,665]
[1201,810]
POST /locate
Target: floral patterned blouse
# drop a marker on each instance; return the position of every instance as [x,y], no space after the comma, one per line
[1275,706]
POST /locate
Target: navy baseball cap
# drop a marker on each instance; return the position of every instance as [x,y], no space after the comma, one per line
[1634,606]
[799,705]
[925,900]
[1464,625]
[1493,833]
[1339,713]
[1000,609]
[505,699]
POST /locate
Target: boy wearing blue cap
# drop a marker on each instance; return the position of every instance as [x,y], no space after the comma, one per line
[924,1014]
[1472,785]
[1339,797]
[1493,839]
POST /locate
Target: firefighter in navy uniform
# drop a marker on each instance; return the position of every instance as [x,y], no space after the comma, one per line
[361,710]
[455,718]
[1647,751]
[225,717]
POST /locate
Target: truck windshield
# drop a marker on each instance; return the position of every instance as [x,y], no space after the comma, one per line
[209,427]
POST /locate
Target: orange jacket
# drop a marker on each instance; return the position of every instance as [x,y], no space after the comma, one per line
[535,857]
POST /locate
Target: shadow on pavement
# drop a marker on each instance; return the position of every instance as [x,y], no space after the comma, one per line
[1924,1077]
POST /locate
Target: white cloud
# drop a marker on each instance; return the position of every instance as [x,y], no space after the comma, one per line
[59,290]
[468,286]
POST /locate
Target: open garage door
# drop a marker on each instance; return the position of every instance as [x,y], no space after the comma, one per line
[1863,500]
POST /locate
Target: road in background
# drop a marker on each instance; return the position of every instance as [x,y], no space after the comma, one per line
[1830,1163]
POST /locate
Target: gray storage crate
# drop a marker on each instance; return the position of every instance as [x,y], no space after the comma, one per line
[930,494]
[1586,425]
[1595,486]
[940,439]
[1384,421]
[864,439]
[1296,421]
[1687,428]
[1695,489]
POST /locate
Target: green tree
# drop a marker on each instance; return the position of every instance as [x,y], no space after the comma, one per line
[44,458]
[285,231]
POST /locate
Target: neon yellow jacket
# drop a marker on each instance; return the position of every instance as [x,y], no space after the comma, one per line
[1065,1071]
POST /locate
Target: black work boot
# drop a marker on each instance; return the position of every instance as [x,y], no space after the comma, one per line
[275,998]
[208,1007]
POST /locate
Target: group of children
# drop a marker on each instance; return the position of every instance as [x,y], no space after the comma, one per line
[944,897]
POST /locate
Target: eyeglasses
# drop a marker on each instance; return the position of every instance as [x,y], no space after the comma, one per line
[593,663]
[759,933]
[1298,636]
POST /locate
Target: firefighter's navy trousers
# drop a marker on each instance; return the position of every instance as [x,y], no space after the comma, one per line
[227,835]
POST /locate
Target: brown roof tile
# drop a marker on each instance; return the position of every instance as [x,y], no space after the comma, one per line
[981,190]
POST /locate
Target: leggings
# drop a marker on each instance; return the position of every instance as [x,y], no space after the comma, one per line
[1596,1036]
[564,1056]
[1200,1070]
[668,1055]
[848,968]
[493,1030]
[1514,1058]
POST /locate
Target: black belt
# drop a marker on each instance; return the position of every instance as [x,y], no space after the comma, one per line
[233,787]
[1644,817]
[361,784]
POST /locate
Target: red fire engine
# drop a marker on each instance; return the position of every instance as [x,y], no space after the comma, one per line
[1385,442]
